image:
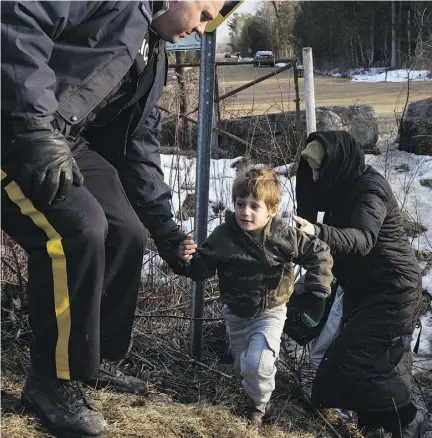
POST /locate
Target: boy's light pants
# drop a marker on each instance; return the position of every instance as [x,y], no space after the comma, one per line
[255,344]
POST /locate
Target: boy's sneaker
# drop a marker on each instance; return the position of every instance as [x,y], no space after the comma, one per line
[415,429]
[258,415]
[63,407]
[111,376]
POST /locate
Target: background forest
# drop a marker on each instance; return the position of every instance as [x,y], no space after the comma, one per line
[343,34]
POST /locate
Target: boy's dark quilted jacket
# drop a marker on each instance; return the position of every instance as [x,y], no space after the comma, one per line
[254,277]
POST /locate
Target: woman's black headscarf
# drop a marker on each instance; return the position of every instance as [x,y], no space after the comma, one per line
[342,164]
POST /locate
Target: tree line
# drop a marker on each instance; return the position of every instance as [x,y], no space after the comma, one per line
[342,34]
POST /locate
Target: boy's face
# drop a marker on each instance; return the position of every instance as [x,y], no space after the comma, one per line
[251,214]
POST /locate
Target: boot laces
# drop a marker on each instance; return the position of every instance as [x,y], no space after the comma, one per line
[74,394]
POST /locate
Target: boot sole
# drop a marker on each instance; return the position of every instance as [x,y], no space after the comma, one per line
[58,431]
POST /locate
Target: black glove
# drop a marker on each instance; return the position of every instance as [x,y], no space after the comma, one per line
[311,307]
[48,168]
[304,310]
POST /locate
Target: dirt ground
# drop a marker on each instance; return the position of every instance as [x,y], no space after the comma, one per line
[161,415]
[278,94]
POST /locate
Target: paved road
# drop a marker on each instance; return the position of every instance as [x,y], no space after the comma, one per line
[277,94]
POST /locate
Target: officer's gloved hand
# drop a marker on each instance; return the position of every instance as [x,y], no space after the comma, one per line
[48,169]
[312,307]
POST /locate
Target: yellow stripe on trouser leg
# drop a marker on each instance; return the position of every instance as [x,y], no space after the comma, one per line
[61,292]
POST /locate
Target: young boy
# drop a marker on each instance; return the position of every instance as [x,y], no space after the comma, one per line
[253,252]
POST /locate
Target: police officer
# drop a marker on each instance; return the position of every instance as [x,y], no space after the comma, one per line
[82,182]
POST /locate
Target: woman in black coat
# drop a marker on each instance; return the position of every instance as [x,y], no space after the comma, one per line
[368,368]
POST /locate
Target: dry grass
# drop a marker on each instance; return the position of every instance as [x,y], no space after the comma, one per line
[155,416]
[188,398]
[160,415]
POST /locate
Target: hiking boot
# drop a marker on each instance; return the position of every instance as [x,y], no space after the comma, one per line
[63,407]
[259,414]
[110,376]
[415,429]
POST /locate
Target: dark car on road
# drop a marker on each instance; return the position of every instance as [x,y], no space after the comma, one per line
[264,57]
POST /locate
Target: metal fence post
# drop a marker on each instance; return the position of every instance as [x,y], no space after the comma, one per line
[205,132]
[309,90]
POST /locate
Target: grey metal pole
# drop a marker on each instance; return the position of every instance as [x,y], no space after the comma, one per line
[309,89]
[205,132]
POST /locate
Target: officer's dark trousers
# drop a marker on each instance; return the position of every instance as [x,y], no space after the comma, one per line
[85,256]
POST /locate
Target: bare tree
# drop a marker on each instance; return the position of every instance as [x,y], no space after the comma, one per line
[393,61]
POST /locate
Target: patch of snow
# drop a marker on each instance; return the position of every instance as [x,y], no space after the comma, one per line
[284,170]
[393,76]
[379,74]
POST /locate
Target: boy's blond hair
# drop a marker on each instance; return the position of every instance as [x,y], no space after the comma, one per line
[262,183]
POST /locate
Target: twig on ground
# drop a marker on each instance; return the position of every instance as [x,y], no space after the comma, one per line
[209,368]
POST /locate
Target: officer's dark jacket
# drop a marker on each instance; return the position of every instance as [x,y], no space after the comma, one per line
[76,67]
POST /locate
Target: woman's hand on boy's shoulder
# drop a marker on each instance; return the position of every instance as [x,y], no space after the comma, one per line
[187,248]
[304,225]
